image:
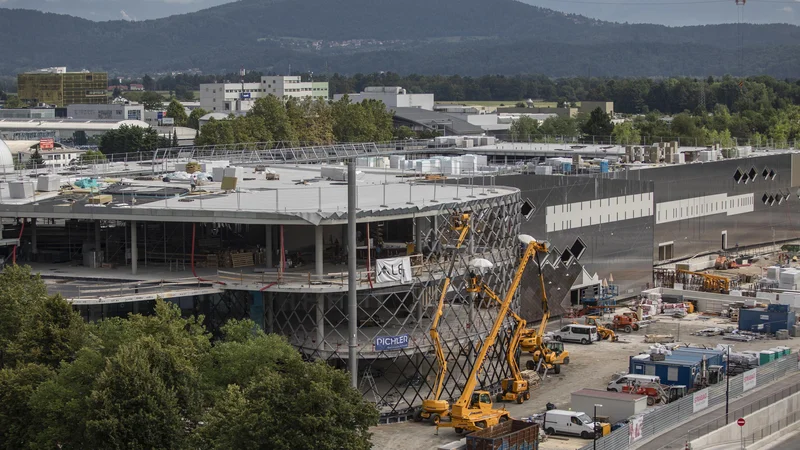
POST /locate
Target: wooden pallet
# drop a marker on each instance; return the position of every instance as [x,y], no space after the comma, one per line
[242,260]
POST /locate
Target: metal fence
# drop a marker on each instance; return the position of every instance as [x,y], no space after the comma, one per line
[658,420]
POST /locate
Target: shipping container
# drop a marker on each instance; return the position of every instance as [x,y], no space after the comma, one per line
[513,434]
[682,369]
[616,405]
[760,320]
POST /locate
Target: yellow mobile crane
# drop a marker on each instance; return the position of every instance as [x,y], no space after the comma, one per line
[434,408]
[550,356]
[474,409]
[516,387]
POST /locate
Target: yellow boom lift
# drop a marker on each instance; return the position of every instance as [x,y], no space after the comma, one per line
[549,356]
[516,387]
[434,408]
[474,409]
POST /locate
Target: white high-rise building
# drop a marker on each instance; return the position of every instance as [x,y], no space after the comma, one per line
[392,97]
[232,97]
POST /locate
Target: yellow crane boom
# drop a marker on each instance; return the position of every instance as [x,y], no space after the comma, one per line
[462,414]
[433,408]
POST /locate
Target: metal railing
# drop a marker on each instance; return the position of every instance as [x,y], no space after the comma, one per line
[98,291]
[661,419]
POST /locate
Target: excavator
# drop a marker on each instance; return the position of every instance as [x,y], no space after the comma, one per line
[515,388]
[434,408]
[549,356]
[474,410]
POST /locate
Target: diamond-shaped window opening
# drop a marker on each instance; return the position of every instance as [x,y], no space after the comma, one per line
[765,198]
[566,258]
[765,173]
[578,248]
[554,258]
[780,198]
[737,176]
[772,174]
[745,178]
[771,200]
[528,209]
[752,173]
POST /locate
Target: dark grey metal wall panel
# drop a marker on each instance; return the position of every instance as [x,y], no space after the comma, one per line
[622,248]
[765,224]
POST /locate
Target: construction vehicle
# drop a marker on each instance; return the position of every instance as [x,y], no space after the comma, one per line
[711,283]
[434,408]
[474,409]
[605,333]
[546,356]
[624,322]
[656,393]
[515,388]
[724,263]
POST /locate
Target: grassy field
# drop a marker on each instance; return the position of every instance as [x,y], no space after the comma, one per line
[495,104]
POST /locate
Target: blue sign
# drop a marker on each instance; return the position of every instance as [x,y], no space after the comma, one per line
[245,95]
[391,342]
[160,115]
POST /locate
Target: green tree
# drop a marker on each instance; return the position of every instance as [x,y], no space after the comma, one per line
[174,138]
[194,118]
[626,134]
[404,132]
[36,160]
[128,139]
[216,132]
[598,124]
[92,157]
[13,102]
[269,397]
[16,416]
[149,83]
[525,129]
[152,101]
[559,126]
[117,92]
[176,111]
[271,111]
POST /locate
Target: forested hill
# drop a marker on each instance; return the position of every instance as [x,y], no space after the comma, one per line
[470,37]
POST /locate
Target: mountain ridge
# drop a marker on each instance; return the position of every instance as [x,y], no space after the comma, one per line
[368,35]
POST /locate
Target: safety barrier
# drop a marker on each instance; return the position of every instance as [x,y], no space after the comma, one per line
[658,420]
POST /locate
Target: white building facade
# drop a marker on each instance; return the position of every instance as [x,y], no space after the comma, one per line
[392,97]
[106,112]
[232,97]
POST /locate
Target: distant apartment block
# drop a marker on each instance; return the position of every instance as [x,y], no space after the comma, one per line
[106,112]
[392,97]
[55,86]
[137,87]
[231,97]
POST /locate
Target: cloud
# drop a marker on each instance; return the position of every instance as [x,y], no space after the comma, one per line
[125,16]
[787,9]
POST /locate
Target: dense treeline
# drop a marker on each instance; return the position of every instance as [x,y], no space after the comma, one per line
[160,381]
[306,121]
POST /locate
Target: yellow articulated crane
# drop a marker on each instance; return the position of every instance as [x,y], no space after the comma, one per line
[434,408]
[547,356]
[516,387]
[474,409]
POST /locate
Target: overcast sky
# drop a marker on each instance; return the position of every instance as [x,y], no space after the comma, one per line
[665,12]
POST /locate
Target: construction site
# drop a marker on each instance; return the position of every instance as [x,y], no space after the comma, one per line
[475,299]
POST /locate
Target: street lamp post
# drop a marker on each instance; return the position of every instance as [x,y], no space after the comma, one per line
[594,425]
[727,384]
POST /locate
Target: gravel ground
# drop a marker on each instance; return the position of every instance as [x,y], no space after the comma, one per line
[591,366]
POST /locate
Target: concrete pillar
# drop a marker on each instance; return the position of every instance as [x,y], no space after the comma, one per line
[319,247]
[34,239]
[134,249]
[268,247]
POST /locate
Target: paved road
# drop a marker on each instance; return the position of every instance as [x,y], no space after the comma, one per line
[676,438]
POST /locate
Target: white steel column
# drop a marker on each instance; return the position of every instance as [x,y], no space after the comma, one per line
[319,247]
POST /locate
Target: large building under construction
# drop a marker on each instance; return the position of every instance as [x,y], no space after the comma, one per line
[272,246]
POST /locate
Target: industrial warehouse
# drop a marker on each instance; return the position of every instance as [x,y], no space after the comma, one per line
[262,233]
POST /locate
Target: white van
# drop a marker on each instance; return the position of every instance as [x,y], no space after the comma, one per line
[585,334]
[558,421]
[624,380]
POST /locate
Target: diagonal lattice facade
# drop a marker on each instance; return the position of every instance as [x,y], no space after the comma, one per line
[398,380]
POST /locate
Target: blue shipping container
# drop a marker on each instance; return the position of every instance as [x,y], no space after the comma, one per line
[670,371]
[761,320]
[604,166]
